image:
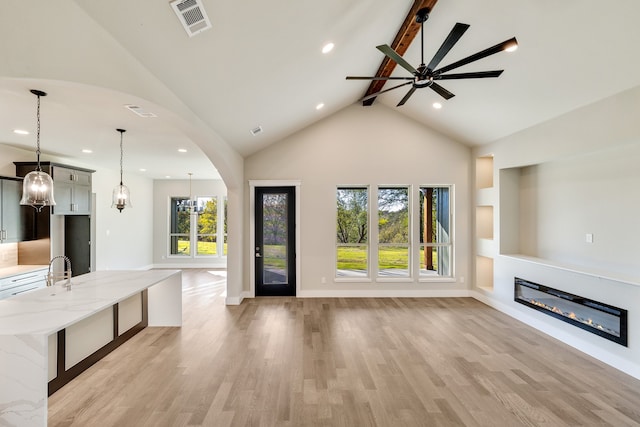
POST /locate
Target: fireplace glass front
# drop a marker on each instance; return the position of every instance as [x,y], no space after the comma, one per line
[596,317]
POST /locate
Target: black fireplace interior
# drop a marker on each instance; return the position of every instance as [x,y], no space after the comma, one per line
[596,317]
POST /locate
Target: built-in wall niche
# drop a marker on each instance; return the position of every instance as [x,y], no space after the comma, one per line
[510,210]
[484,172]
[484,222]
[484,272]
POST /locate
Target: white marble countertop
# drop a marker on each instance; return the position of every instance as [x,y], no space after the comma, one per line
[47,310]
[19,269]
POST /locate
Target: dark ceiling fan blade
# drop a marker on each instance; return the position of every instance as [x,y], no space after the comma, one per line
[378,78]
[373,95]
[441,91]
[476,56]
[406,97]
[475,75]
[397,58]
[456,32]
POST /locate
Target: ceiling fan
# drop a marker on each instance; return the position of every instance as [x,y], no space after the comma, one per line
[426,75]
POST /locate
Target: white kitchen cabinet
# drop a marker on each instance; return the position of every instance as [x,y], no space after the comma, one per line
[10,221]
[72,191]
[19,283]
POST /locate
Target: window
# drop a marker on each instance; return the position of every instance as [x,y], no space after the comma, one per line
[396,252]
[179,228]
[352,232]
[435,232]
[393,232]
[196,233]
[207,221]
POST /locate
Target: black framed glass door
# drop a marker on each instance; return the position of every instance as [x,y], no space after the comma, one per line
[275,257]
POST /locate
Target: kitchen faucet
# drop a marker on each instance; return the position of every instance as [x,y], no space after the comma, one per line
[52,277]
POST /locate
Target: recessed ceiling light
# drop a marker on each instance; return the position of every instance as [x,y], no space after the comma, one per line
[142,170]
[21,132]
[319,106]
[167,176]
[85,150]
[328,47]
[182,150]
[437,105]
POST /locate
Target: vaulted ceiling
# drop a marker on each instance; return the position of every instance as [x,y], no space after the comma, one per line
[261,65]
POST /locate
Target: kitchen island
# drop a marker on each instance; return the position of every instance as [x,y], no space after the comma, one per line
[50,335]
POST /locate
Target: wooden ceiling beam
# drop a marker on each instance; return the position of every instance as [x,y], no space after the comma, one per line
[408,31]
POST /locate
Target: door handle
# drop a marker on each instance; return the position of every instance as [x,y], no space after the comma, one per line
[258,256]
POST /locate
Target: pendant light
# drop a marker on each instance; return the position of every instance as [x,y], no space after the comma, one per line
[37,186]
[121,196]
[190,205]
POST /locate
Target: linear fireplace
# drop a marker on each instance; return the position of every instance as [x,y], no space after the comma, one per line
[596,317]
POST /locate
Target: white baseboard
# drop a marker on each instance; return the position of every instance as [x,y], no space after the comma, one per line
[181,266]
[372,293]
[236,300]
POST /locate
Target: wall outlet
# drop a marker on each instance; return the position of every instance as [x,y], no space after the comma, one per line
[323,280]
[461,279]
[588,238]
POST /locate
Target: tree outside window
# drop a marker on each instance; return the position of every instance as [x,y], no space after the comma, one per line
[207,220]
[393,232]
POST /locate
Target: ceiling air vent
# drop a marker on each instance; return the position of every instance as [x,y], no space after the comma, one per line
[192,16]
[256,130]
[139,111]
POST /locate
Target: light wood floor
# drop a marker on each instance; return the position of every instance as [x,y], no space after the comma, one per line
[344,362]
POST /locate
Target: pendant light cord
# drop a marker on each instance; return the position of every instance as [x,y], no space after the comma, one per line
[120,158]
[122,131]
[38,168]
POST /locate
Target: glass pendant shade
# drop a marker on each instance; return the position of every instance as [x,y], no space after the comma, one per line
[121,197]
[37,186]
[37,190]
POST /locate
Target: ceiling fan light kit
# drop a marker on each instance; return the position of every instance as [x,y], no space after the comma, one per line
[426,75]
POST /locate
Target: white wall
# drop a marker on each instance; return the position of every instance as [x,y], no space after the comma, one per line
[163,190]
[123,240]
[578,174]
[586,194]
[361,146]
